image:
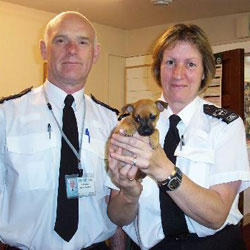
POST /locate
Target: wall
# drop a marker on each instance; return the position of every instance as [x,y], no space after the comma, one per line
[20,63]
[113,44]
[220,30]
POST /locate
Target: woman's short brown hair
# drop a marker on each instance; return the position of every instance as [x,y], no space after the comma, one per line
[189,33]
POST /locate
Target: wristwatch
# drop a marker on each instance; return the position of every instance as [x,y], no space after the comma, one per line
[172,182]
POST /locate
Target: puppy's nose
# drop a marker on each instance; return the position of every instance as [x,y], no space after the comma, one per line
[145,131]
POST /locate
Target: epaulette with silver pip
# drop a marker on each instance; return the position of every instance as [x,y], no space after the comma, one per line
[105,105]
[11,97]
[220,113]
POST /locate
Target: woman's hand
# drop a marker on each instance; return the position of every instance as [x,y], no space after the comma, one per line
[123,176]
[153,162]
[123,204]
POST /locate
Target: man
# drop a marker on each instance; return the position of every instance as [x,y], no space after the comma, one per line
[52,195]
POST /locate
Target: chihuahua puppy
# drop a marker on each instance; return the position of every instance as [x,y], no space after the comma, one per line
[141,117]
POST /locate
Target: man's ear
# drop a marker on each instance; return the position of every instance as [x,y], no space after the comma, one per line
[43,50]
[96,52]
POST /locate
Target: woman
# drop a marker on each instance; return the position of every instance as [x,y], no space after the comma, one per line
[189,198]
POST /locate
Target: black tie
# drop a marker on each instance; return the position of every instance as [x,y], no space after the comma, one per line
[173,220]
[67,209]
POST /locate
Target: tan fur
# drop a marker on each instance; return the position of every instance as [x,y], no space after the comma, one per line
[142,117]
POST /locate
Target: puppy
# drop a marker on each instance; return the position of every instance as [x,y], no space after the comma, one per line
[141,117]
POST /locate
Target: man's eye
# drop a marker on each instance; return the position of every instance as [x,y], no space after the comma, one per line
[152,117]
[83,42]
[60,40]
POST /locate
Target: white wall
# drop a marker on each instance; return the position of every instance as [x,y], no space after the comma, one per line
[20,63]
[220,30]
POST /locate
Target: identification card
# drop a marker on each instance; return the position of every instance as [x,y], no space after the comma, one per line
[86,185]
[77,187]
[71,186]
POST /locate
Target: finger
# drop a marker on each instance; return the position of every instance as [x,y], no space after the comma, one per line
[120,140]
[124,171]
[141,138]
[113,168]
[111,148]
[123,158]
[132,173]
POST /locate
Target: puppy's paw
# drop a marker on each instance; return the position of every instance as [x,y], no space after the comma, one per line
[153,145]
[154,139]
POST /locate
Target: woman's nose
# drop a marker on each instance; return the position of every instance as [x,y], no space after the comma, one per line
[179,71]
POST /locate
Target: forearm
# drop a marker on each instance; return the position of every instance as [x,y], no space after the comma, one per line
[122,209]
[209,207]
[118,240]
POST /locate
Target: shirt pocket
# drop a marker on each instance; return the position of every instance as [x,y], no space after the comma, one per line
[30,161]
[95,146]
[196,158]
[94,161]
[196,154]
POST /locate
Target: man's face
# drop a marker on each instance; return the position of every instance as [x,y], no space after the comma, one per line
[70,52]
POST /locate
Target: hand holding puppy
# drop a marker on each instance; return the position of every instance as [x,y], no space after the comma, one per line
[138,118]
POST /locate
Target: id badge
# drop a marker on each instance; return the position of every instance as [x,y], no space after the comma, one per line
[71,186]
[86,185]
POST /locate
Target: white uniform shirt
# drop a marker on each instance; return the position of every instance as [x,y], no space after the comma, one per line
[29,170]
[214,153]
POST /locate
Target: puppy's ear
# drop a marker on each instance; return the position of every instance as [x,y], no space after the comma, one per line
[129,108]
[161,105]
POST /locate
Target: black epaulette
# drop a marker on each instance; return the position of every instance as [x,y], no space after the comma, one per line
[105,105]
[220,113]
[23,92]
[122,116]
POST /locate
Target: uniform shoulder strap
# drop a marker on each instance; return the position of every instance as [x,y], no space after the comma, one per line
[105,105]
[11,97]
[220,113]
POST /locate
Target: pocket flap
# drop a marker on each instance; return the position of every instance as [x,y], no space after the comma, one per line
[31,143]
[95,146]
[196,154]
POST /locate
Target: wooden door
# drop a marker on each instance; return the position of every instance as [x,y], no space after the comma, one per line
[2,246]
[233,87]
[233,80]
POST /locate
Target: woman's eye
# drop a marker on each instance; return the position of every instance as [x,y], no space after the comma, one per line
[191,64]
[170,62]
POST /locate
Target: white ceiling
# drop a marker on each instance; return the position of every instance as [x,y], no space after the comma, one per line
[132,14]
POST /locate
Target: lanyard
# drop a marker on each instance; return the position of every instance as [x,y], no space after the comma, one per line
[77,154]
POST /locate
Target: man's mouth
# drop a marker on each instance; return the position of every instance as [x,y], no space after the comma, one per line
[71,63]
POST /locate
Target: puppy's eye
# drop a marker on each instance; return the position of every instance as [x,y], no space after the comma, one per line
[152,117]
[137,118]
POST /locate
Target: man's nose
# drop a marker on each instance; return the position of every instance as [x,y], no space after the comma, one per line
[71,48]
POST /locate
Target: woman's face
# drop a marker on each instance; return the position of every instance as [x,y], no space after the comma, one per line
[181,74]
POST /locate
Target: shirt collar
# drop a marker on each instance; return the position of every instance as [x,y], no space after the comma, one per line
[56,96]
[185,114]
